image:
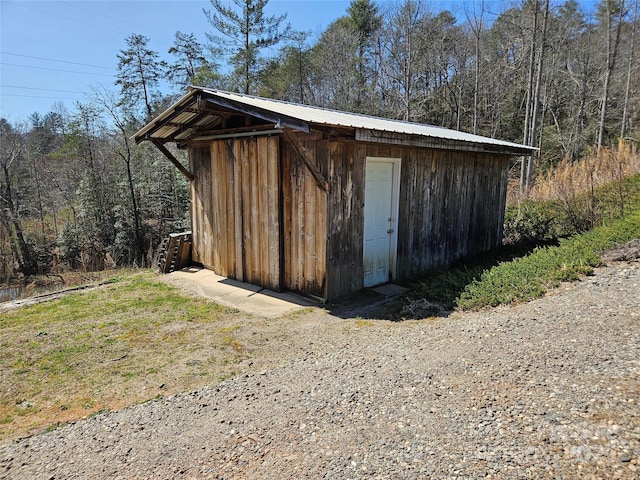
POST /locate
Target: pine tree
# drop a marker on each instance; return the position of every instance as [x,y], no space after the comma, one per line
[190,60]
[244,31]
[139,73]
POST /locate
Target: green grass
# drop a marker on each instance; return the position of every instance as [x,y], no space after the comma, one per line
[532,275]
[511,275]
[82,350]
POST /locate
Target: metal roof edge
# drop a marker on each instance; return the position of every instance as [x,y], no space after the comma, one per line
[149,126]
[312,115]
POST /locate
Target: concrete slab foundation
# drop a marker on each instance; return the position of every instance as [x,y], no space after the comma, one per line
[232,293]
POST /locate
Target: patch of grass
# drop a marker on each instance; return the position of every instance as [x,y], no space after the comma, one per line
[364,323]
[525,271]
[438,293]
[300,311]
[228,375]
[531,276]
[89,348]
[54,426]
[233,343]
[6,419]
[229,329]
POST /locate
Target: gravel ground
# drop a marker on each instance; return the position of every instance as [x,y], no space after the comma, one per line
[547,389]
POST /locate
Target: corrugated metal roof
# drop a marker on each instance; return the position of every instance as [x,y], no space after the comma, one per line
[312,115]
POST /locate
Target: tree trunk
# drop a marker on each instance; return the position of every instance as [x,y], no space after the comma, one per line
[536,97]
[26,263]
[139,253]
[625,109]
[612,53]
[526,139]
[476,28]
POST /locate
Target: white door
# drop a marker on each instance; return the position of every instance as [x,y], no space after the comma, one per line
[380,219]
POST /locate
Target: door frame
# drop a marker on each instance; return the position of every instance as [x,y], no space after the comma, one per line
[395,208]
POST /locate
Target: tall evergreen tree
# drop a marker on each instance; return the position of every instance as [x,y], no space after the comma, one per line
[244,31]
[365,19]
[139,73]
[190,60]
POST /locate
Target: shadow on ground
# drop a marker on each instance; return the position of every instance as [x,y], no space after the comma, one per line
[431,295]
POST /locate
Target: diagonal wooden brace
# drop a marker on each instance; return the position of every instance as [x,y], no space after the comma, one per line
[302,152]
[173,159]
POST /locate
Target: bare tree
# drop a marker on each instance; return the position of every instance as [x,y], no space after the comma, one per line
[402,51]
[122,135]
[12,166]
[613,13]
[536,95]
[631,65]
[476,23]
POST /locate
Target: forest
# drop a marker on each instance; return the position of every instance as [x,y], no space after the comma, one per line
[77,194]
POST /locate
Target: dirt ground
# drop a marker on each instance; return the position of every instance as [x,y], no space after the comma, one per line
[238,343]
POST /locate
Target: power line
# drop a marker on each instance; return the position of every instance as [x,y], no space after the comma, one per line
[49,13]
[36,96]
[56,69]
[54,60]
[102,15]
[45,89]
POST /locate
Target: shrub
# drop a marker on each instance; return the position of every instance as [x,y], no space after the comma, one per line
[530,276]
[530,223]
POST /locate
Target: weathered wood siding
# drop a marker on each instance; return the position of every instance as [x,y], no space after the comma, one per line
[305,220]
[201,209]
[258,214]
[345,219]
[451,205]
[236,209]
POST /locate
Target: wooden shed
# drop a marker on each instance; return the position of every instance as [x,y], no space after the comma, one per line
[322,202]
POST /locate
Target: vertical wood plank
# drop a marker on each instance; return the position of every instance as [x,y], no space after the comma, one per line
[273,216]
[227,186]
[287,209]
[214,205]
[239,210]
[253,258]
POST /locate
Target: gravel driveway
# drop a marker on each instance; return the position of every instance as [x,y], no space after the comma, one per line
[548,389]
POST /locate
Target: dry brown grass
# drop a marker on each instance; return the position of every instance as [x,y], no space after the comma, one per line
[578,196]
[570,179]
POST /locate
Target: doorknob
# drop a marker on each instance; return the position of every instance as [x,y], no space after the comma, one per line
[390,231]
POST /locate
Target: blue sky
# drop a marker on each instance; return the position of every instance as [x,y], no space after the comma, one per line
[59,50]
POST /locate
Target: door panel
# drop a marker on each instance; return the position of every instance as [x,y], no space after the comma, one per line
[379,222]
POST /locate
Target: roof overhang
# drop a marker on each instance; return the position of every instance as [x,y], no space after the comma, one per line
[194,116]
[392,138]
[204,114]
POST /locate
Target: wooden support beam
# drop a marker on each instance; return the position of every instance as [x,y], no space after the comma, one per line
[302,152]
[230,131]
[173,159]
[265,114]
